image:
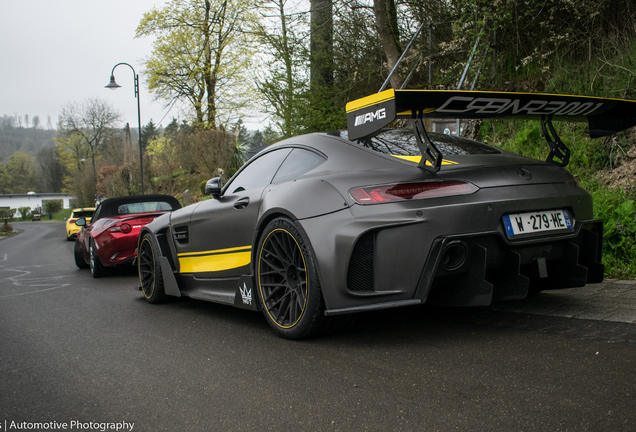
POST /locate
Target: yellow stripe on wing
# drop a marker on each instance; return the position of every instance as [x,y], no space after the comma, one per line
[364,102]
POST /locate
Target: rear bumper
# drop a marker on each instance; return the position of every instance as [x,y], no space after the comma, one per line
[477,270]
[116,251]
[392,255]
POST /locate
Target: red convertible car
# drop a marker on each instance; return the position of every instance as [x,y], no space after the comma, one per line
[110,238]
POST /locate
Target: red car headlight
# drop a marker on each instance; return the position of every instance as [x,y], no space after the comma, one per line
[410,191]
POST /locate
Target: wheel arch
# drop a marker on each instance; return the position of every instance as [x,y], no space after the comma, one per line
[266,219]
[160,230]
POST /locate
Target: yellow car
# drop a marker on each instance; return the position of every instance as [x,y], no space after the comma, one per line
[71,228]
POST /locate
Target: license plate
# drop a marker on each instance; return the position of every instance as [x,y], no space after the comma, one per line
[537,222]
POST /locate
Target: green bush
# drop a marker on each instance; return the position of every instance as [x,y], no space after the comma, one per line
[588,158]
[617,209]
[25,212]
[53,206]
[6,215]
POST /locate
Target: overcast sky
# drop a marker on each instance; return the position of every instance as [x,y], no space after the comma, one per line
[57,51]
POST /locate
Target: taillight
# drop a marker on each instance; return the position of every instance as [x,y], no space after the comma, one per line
[71,221]
[410,191]
[124,228]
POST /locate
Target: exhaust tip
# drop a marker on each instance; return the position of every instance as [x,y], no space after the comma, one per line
[454,256]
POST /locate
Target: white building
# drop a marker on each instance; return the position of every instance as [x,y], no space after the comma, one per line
[33,200]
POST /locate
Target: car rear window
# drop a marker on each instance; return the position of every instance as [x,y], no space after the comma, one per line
[402,142]
[82,214]
[149,206]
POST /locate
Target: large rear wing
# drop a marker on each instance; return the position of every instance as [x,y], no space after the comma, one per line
[368,115]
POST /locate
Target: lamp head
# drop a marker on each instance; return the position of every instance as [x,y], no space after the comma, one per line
[112,84]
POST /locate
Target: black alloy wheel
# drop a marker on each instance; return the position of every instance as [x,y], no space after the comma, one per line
[79,259]
[97,268]
[289,290]
[150,275]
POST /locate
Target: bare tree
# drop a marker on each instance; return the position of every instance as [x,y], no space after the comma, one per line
[93,122]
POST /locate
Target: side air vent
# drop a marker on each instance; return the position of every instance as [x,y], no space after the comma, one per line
[180,234]
[360,273]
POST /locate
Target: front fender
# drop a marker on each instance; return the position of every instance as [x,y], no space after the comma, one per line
[160,225]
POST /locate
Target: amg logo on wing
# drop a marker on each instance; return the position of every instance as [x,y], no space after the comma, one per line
[371,116]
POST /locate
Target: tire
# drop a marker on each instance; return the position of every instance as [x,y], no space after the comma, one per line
[149,270]
[97,268]
[289,290]
[79,259]
[69,238]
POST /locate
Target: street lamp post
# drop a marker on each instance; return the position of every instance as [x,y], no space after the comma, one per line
[113,86]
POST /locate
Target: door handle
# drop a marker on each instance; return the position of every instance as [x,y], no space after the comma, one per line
[242,203]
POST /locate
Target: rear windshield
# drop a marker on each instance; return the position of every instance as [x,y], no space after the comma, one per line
[83,214]
[402,142]
[149,206]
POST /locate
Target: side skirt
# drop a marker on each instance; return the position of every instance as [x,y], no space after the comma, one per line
[235,292]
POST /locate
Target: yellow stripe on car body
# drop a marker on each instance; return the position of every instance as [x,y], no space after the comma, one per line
[417,159]
[216,260]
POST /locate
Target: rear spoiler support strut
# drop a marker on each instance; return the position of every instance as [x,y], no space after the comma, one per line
[559,152]
[430,153]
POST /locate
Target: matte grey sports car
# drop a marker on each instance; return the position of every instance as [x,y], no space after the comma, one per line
[321,226]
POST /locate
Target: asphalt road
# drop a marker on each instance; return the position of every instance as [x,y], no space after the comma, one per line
[73,348]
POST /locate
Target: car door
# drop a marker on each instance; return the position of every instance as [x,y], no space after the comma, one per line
[222,230]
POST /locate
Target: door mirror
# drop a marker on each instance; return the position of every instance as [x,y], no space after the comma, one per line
[80,222]
[213,187]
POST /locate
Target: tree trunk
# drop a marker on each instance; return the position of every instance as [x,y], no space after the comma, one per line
[386,21]
[289,78]
[321,61]
[207,70]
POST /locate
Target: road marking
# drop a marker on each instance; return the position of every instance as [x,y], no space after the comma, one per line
[20,280]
